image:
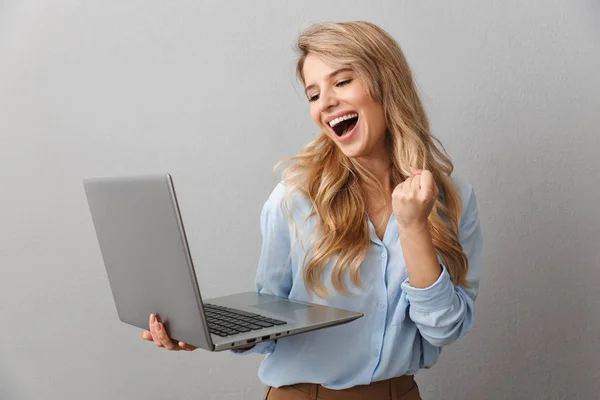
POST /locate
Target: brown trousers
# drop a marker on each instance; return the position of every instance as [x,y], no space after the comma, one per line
[402,388]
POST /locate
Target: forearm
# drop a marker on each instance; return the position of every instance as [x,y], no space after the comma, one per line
[420,256]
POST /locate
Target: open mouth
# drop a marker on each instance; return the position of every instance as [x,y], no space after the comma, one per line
[344,124]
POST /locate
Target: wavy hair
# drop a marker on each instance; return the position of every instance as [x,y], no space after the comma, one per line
[337,185]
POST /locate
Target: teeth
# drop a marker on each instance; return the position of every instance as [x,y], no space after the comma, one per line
[336,121]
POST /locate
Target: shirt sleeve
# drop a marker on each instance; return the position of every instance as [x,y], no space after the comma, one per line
[444,312]
[273,275]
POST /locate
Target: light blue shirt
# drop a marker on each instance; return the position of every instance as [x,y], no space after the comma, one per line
[403,328]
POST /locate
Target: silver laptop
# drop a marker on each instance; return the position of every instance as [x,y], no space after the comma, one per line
[150,270]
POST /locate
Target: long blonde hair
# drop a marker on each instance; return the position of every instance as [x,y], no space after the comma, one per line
[336,184]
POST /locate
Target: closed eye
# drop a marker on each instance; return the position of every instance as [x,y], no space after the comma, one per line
[339,84]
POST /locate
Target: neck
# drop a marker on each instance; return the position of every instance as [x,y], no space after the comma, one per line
[381,168]
[378,207]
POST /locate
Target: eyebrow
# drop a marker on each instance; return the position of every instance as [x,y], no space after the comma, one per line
[331,75]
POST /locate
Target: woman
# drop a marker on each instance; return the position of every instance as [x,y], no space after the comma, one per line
[367,218]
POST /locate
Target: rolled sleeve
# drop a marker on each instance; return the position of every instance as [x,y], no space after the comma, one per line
[438,296]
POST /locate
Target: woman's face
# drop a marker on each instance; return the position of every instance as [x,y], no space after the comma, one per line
[341,106]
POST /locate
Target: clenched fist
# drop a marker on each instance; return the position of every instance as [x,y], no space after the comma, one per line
[413,199]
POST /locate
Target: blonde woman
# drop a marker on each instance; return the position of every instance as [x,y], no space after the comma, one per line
[368,217]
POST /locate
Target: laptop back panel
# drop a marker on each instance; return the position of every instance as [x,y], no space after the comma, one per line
[146,255]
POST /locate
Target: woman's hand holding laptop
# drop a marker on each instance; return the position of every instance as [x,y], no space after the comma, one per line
[158,335]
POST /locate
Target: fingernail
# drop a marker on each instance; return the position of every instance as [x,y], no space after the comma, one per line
[152,318]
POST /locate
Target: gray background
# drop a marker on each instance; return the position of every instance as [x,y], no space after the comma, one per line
[206,90]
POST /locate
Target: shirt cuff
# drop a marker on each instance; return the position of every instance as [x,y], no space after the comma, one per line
[436,297]
[260,348]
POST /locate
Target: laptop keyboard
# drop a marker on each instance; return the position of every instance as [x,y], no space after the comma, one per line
[224,321]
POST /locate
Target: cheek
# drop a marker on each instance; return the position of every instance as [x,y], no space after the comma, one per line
[377,118]
[316,117]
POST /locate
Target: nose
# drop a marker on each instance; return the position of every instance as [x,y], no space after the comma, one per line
[327,100]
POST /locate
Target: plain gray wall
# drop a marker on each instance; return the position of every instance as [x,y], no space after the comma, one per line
[206,90]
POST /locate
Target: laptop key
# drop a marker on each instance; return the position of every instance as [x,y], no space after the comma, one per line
[240,328]
[247,325]
[263,324]
[243,313]
[276,322]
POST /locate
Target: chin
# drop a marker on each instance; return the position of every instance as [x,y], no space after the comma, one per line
[352,153]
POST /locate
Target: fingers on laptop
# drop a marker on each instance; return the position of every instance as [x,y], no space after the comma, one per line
[158,335]
[146,335]
[161,339]
[153,330]
[186,347]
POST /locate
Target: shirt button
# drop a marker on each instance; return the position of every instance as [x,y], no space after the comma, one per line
[381,304]
[376,353]
[383,255]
